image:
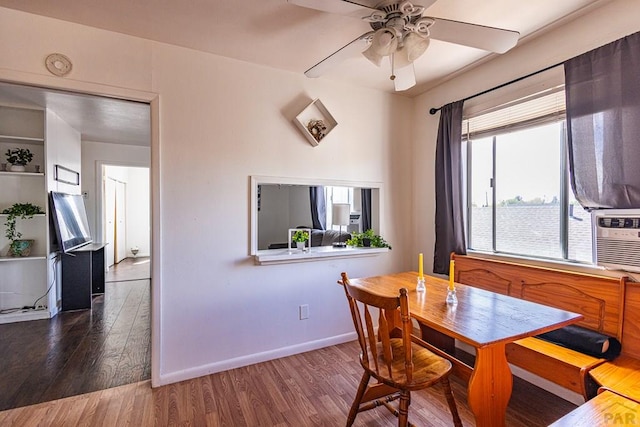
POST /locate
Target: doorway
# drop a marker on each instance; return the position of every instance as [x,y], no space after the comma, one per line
[80,351]
[125,213]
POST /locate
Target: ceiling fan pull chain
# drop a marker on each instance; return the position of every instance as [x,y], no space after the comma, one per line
[393,74]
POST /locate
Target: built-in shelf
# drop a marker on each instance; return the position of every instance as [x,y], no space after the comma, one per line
[24,315]
[315,111]
[22,139]
[1,214]
[22,173]
[21,258]
[285,256]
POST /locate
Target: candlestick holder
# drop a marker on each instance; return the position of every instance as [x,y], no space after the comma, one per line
[451,296]
[420,286]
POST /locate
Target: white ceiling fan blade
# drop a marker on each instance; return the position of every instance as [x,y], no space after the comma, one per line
[405,77]
[349,51]
[478,36]
[340,7]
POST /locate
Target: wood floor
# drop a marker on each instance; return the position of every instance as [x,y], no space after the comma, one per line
[130,269]
[80,351]
[309,389]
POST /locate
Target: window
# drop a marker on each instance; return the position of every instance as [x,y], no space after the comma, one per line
[336,194]
[518,193]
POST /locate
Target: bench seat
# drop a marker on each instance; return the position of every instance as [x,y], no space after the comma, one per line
[560,365]
[621,375]
[600,299]
[607,408]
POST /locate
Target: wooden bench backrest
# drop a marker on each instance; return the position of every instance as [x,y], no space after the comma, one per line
[599,299]
[631,322]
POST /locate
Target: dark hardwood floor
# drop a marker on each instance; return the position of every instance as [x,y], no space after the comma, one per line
[80,351]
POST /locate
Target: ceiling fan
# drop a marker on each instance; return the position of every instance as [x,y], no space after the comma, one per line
[402,33]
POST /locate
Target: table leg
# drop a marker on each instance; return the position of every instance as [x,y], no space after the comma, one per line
[490,386]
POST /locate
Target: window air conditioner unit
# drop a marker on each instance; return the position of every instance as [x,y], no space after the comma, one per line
[616,239]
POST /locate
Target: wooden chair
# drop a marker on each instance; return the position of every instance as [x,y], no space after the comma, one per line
[399,365]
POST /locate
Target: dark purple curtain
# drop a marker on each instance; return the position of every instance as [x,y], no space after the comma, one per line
[366,209]
[449,207]
[318,208]
[603,123]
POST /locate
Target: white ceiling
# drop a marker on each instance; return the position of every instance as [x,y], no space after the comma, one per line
[280,35]
[96,118]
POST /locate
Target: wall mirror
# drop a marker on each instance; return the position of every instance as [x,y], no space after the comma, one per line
[279,204]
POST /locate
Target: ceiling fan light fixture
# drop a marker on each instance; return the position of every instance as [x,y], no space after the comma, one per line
[383,43]
[414,46]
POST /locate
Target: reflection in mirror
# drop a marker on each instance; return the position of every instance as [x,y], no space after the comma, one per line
[279,204]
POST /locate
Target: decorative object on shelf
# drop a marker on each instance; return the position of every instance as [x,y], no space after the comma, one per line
[340,216]
[315,122]
[58,64]
[66,175]
[20,248]
[375,241]
[300,236]
[17,247]
[19,158]
[317,128]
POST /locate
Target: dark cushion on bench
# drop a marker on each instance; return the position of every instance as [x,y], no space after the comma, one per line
[585,341]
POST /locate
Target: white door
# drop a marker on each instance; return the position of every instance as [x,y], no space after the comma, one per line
[121,222]
[110,220]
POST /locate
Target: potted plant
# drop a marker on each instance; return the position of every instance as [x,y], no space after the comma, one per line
[367,239]
[19,157]
[19,247]
[300,237]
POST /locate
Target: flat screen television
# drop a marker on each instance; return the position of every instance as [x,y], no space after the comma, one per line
[70,221]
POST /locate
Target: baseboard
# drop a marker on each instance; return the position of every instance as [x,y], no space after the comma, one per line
[238,362]
[544,384]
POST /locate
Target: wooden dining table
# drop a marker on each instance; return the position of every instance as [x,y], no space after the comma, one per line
[482,319]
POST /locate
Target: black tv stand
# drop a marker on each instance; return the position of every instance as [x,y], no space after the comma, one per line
[82,276]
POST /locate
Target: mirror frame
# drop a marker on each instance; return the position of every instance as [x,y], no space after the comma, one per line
[256,180]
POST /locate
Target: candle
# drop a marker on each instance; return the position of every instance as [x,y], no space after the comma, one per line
[420,270]
[451,271]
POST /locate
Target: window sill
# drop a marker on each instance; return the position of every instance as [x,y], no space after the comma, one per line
[284,256]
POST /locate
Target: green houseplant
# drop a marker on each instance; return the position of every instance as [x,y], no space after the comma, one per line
[19,157]
[18,247]
[300,237]
[367,239]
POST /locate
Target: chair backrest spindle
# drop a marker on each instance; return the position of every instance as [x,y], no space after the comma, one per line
[361,301]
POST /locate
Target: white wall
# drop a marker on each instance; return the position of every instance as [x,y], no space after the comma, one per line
[138,211]
[138,214]
[94,155]
[220,121]
[62,148]
[608,23]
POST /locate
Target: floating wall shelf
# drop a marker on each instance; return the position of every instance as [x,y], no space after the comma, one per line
[315,111]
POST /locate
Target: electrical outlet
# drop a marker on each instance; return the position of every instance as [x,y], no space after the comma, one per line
[304,311]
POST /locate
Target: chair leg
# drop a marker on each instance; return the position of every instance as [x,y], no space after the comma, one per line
[457,422]
[364,382]
[405,401]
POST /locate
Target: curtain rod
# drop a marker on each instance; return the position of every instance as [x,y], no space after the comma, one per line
[432,111]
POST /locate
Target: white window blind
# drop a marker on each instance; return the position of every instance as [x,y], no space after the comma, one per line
[536,109]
